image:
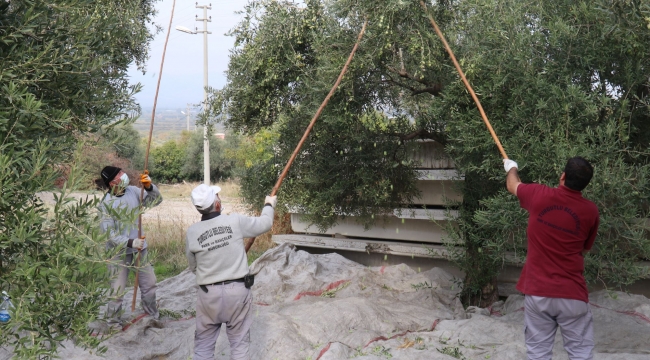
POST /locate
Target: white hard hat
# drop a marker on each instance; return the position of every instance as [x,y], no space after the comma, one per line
[204,196]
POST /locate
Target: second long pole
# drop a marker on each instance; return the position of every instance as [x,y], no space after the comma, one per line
[464,79]
[313,120]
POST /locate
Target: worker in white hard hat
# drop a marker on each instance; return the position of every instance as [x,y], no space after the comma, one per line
[216,254]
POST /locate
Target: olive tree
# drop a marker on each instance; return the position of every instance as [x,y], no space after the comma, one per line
[63,73]
[557,79]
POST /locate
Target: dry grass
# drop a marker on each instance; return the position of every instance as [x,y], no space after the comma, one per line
[166,240]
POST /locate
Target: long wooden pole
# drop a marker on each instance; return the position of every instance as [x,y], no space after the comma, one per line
[146,157]
[467,85]
[313,120]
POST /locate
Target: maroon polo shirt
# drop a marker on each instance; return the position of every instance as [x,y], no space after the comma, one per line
[561,224]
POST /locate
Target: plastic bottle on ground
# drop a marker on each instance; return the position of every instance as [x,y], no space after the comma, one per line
[4,308]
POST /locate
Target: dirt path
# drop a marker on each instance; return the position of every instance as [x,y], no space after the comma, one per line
[175,208]
[180,209]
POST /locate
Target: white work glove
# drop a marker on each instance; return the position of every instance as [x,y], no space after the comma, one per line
[138,243]
[271,200]
[509,164]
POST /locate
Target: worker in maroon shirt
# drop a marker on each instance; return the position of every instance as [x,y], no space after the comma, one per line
[562,227]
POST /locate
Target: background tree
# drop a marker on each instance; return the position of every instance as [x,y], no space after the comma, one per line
[119,145]
[221,165]
[253,155]
[126,143]
[557,79]
[167,162]
[63,73]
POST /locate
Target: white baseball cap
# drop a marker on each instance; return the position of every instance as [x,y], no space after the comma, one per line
[203,196]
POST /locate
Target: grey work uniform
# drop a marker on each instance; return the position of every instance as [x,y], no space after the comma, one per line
[120,219]
[542,316]
[216,254]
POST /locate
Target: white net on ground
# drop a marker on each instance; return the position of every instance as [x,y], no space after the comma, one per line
[327,307]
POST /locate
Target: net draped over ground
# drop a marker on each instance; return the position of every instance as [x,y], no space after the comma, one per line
[327,307]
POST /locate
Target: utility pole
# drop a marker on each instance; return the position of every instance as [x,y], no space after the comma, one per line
[188,117]
[206,141]
[206,107]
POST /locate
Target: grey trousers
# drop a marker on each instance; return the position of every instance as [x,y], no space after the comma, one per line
[228,304]
[543,315]
[119,269]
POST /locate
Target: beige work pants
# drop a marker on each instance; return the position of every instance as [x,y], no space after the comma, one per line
[228,304]
[119,270]
[542,317]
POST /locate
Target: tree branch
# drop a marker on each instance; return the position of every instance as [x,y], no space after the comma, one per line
[422,134]
[433,89]
[400,84]
[404,74]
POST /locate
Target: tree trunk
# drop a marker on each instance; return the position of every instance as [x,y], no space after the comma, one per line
[478,290]
[480,283]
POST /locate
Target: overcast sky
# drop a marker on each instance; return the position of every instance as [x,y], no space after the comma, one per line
[182,80]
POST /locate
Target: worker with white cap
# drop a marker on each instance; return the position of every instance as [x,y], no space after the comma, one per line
[216,254]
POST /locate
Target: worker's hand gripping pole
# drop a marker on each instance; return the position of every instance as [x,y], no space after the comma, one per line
[462,76]
[313,120]
[146,158]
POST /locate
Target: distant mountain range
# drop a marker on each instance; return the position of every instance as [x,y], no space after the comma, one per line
[166,120]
